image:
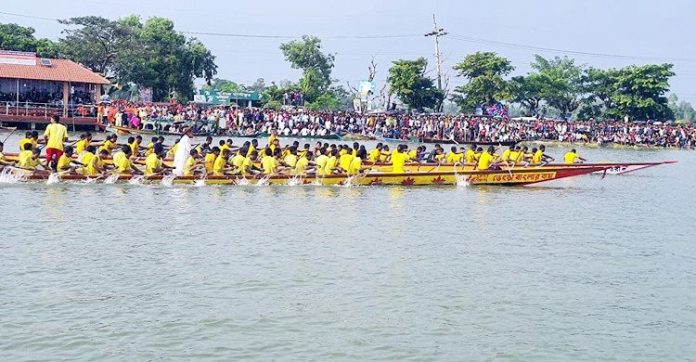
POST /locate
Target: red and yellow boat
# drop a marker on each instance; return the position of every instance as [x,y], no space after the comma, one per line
[511,177]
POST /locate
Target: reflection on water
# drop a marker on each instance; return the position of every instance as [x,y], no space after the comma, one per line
[577,269]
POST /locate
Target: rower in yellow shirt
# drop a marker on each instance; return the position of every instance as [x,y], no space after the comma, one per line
[356,164]
[220,164]
[290,160]
[302,163]
[399,159]
[248,166]
[124,165]
[470,156]
[29,158]
[486,159]
[373,155]
[96,165]
[384,154]
[331,163]
[65,160]
[320,162]
[26,140]
[153,164]
[150,147]
[572,157]
[191,165]
[344,161]
[272,137]
[135,146]
[81,144]
[210,157]
[268,163]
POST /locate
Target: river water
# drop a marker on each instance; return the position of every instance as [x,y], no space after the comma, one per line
[577,269]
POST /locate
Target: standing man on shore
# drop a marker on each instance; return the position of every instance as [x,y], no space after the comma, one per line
[55,134]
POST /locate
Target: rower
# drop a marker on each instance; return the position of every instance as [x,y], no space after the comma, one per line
[290,160]
[384,155]
[470,155]
[542,157]
[302,163]
[124,165]
[399,159]
[191,165]
[344,161]
[572,157]
[373,156]
[505,158]
[486,160]
[220,164]
[268,163]
[332,163]
[3,160]
[81,144]
[135,145]
[26,140]
[96,165]
[150,148]
[118,155]
[210,157]
[321,160]
[248,165]
[26,157]
[153,161]
[65,161]
[254,146]
[356,163]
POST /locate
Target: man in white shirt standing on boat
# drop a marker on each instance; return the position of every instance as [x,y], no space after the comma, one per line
[183,151]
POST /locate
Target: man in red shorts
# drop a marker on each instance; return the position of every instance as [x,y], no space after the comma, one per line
[55,134]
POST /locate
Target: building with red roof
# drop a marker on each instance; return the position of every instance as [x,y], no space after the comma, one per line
[33,88]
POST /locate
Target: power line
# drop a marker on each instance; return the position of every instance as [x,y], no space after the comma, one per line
[252,36]
[574,52]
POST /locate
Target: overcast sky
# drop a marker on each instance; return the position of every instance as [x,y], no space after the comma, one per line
[609,33]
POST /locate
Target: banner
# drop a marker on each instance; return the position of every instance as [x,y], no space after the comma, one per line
[225,98]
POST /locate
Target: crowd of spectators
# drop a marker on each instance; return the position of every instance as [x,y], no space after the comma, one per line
[234,121]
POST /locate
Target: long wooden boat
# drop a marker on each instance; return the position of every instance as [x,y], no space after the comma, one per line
[7,129]
[612,168]
[517,177]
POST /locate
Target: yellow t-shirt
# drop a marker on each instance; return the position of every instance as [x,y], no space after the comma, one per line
[153,164]
[301,165]
[135,148]
[345,160]
[268,164]
[355,166]
[570,158]
[506,155]
[64,163]
[290,160]
[536,159]
[116,158]
[219,165]
[321,163]
[95,163]
[107,145]
[80,146]
[470,156]
[246,165]
[150,148]
[398,161]
[330,165]
[485,161]
[209,162]
[25,160]
[189,166]
[124,165]
[373,155]
[57,134]
[23,142]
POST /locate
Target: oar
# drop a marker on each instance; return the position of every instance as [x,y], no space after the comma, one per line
[8,136]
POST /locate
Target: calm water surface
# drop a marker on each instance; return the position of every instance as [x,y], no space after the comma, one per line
[578,269]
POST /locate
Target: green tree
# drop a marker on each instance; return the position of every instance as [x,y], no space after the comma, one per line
[562,83]
[526,91]
[640,92]
[683,111]
[407,81]
[96,42]
[163,59]
[306,54]
[224,85]
[18,38]
[484,72]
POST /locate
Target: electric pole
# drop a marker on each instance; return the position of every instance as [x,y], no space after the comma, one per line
[437,33]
